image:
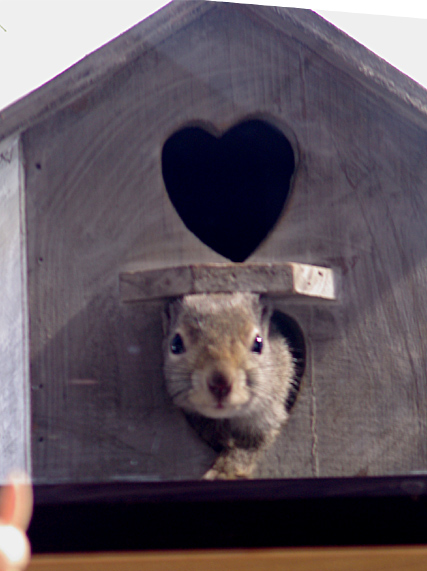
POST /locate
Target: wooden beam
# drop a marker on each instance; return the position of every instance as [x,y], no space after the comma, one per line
[286,279]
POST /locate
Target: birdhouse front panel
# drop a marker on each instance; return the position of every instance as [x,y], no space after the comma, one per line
[129,177]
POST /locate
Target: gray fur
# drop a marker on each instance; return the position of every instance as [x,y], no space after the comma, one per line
[233,396]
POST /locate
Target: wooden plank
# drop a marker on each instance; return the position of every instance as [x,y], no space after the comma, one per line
[319,559]
[287,279]
[14,378]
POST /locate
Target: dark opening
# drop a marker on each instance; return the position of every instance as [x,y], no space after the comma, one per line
[229,191]
[289,328]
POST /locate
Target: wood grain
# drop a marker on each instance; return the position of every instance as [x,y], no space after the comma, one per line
[96,207]
[14,389]
[284,280]
[320,559]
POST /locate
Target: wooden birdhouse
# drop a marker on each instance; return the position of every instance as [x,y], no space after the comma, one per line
[213,147]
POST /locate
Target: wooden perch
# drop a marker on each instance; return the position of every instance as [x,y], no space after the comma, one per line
[286,279]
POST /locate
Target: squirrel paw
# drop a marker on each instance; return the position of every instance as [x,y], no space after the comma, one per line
[225,468]
[214,474]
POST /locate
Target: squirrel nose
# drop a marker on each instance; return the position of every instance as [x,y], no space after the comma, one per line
[219,385]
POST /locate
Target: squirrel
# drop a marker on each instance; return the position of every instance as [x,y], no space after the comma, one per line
[229,367]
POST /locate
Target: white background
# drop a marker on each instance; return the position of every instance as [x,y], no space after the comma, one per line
[44,37]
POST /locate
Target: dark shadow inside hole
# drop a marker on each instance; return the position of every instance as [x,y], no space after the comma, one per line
[229,191]
[289,328]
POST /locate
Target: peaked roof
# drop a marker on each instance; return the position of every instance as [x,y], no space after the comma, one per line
[304,25]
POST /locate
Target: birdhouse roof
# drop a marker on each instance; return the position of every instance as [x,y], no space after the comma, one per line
[303,26]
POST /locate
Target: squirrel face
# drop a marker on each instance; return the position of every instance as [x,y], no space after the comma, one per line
[215,351]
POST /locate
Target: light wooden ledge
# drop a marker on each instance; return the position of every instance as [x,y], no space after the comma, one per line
[311,559]
[286,279]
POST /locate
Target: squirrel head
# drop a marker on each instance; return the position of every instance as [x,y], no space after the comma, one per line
[215,349]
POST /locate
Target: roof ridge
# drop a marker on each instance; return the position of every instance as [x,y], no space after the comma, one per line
[306,26]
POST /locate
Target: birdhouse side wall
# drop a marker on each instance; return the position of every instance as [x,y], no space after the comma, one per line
[14,377]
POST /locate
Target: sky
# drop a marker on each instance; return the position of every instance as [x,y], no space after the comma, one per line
[41,38]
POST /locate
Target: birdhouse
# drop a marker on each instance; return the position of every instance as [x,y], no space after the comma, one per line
[214,147]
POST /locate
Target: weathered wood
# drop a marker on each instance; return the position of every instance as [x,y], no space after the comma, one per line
[14,379]
[97,208]
[378,77]
[288,279]
[79,81]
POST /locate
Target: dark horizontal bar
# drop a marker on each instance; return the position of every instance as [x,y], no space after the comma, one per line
[238,514]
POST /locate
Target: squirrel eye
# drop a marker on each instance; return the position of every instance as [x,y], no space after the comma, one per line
[257,345]
[177,345]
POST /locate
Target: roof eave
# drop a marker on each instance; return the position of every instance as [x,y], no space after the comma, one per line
[386,82]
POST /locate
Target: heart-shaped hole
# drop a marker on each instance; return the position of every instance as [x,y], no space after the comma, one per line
[229,190]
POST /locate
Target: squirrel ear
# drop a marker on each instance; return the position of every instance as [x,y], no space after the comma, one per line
[266,312]
[168,315]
